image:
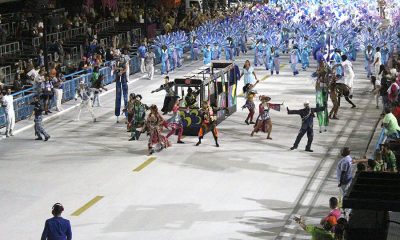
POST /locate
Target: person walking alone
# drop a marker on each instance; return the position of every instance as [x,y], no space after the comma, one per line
[57,228]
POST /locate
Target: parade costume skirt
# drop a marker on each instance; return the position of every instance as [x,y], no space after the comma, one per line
[250,105]
[157,138]
[264,124]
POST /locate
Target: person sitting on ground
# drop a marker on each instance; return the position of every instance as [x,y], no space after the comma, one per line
[335,211]
[318,233]
[389,158]
[341,229]
[390,124]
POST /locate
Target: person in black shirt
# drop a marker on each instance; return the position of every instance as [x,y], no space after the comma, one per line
[37,112]
[170,96]
[383,90]
[191,98]
[307,115]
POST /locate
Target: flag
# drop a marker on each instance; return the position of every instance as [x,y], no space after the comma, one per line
[275,106]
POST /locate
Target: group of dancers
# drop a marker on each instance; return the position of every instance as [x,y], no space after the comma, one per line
[153,123]
[330,32]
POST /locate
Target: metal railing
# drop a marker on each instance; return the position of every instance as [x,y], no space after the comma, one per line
[5,72]
[7,27]
[9,48]
[63,35]
[105,25]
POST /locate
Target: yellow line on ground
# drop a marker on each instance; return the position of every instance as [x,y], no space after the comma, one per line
[145,164]
[87,206]
[265,78]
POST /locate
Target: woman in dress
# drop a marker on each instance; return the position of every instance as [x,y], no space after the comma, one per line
[248,73]
[263,122]
[153,125]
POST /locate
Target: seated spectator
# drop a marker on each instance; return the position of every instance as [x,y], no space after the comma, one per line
[393,91]
[167,28]
[40,58]
[52,71]
[17,85]
[396,111]
[97,61]
[388,158]
[83,64]
[109,55]
[316,232]
[335,211]
[341,229]
[32,74]
[390,124]
[360,167]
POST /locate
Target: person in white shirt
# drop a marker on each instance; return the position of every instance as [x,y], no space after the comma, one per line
[7,102]
[84,93]
[149,63]
[32,74]
[377,61]
[348,73]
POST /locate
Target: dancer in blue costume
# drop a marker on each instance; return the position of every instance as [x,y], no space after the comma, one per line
[336,59]
[385,52]
[216,51]
[229,49]
[194,49]
[294,59]
[258,53]
[179,50]
[369,59]
[266,54]
[163,51]
[274,60]
[173,57]
[207,54]
[243,42]
[305,61]
[352,52]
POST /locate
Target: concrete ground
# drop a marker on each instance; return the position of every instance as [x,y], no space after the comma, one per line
[249,188]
